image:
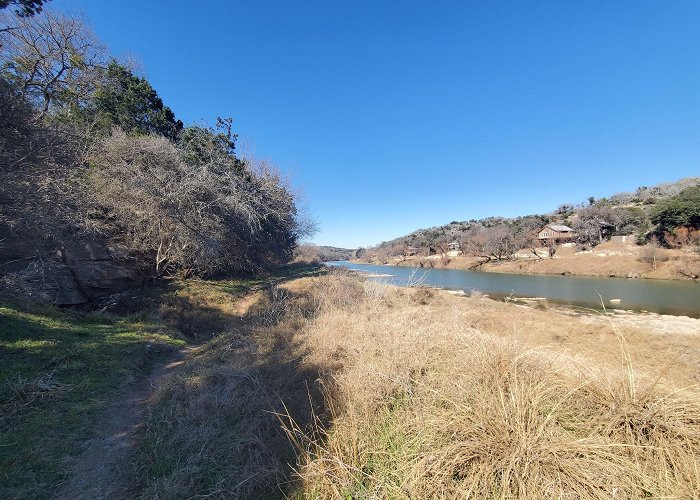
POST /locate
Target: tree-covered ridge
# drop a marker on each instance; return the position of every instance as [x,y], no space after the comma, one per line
[89,152]
[647,213]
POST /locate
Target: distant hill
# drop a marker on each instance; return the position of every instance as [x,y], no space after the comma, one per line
[318,253]
[594,219]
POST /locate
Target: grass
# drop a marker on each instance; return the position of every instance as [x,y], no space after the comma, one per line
[386,393]
[330,386]
[57,371]
[202,309]
[424,406]
[220,411]
[60,369]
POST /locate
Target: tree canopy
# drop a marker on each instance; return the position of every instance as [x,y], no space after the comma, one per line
[680,210]
[130,102]
[24,8]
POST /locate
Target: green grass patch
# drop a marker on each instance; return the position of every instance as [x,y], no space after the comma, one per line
[58,370]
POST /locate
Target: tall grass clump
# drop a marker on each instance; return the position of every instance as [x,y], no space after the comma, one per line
[422,406]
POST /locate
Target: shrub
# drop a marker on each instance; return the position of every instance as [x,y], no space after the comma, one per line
[190,206]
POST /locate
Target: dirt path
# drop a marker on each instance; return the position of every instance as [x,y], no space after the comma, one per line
[98,467]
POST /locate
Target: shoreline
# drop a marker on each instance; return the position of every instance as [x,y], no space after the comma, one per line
[640,317]
[610,307]
[661,324]
[494,270]
[611,262]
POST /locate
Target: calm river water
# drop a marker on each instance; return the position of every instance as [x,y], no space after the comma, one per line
[660,296]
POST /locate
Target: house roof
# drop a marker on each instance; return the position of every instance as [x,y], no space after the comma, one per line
[559,228]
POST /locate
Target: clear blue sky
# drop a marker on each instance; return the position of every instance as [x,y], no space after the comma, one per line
[392,116]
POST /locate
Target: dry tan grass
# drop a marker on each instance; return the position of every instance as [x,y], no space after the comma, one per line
[211,429]
[415,393]
[424,405]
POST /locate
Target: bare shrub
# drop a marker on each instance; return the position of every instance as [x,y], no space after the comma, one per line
[192,206]
[653,254]
[277,306]
[36,164]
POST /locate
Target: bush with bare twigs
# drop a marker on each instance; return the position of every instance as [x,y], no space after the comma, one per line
[117,190]
[191,205]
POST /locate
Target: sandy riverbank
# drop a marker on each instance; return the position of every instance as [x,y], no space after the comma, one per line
[607,259]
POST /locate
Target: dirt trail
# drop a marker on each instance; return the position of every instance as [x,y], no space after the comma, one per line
[98,467]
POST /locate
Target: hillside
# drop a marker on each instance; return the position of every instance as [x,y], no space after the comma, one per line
[309,252]
[595,221]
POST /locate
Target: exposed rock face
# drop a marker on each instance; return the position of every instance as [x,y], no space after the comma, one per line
[98,269]
[683,235]
[68,274]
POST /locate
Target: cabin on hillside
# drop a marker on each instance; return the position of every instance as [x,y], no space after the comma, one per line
[454,246]
[556,233]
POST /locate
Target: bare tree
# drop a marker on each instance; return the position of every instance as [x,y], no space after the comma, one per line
[595,223]
[497,242]
[54,59]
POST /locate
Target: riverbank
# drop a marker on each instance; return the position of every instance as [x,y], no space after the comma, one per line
[77,385]
[605,260]
[325,384]
[417,393]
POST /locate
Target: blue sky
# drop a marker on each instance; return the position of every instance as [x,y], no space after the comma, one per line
[391,116]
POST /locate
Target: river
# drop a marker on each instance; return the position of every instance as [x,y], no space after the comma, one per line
[680,298]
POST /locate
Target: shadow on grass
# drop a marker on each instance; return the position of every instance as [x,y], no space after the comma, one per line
[57,369]
[223,414]
[202,309]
